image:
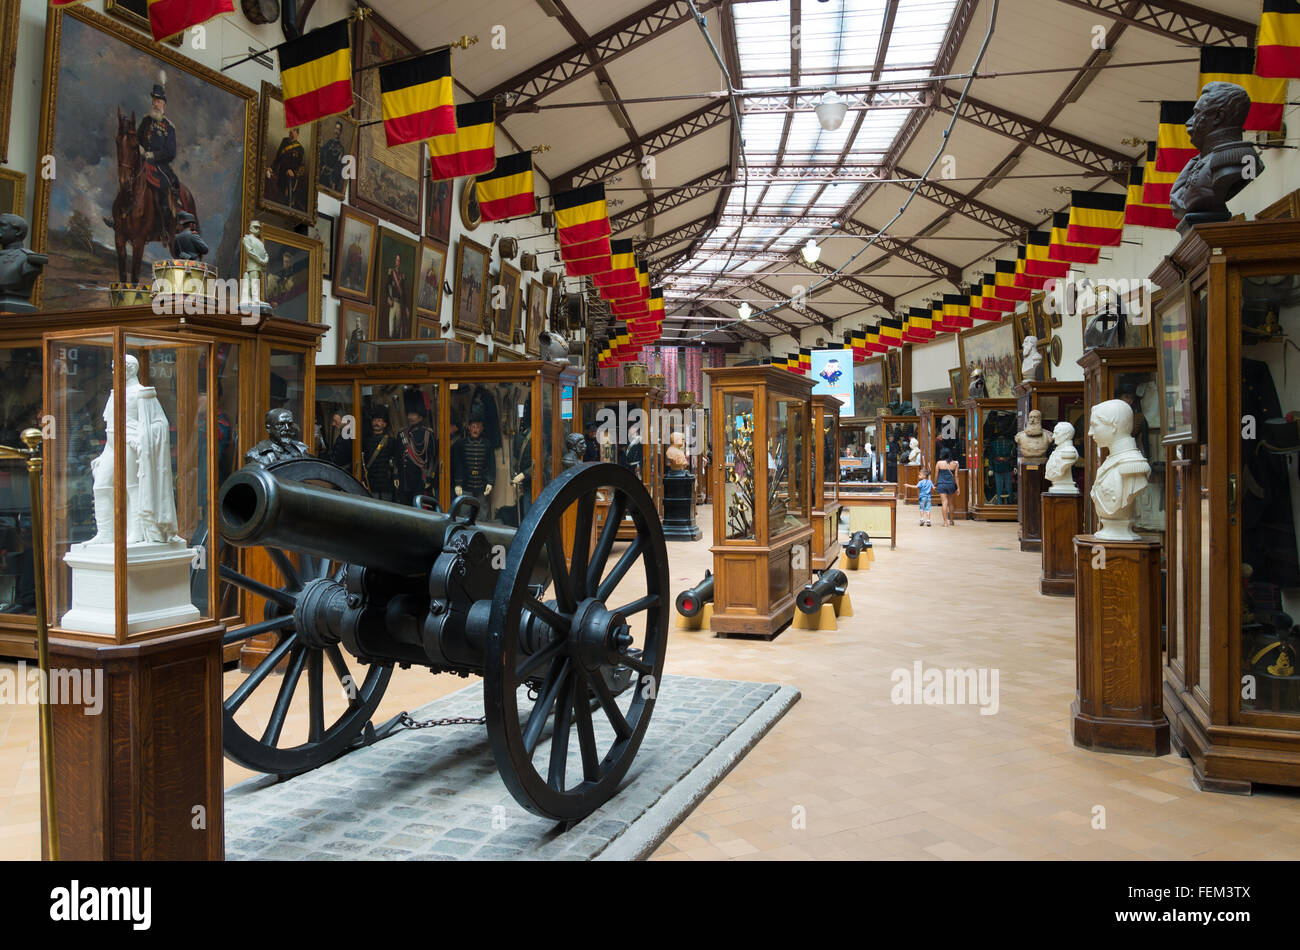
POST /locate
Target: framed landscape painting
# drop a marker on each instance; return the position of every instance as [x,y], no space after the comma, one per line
[287,162]
[395,286]
[993,349]
[99,76]
[358,233]
[869,390]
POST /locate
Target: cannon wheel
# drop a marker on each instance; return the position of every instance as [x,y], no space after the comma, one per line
[326,741]
[593,649]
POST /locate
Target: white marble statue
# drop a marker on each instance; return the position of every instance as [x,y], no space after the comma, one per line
[913,452]
[1033,360]
[1060,466]
[255,261]
[1122,477]
[150,493]
[1032,441]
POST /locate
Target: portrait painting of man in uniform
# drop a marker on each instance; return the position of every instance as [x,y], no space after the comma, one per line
[287,162]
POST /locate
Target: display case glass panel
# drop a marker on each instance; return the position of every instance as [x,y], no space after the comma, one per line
[997,468]
[786,488]
[20,408]
[336,425]
[738,466]
[895,434]
[288,385]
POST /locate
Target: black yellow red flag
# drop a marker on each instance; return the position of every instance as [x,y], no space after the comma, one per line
[416,98]
[1236,64]
[507,190]
[471,149]
[1277,43]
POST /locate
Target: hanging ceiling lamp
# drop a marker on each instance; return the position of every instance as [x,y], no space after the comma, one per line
[811,251]
[830,111]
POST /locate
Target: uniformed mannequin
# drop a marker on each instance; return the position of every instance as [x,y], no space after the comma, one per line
[472,464]
[418,462]
[378,457]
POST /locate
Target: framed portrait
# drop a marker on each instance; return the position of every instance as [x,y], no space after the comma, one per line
[323,231]
[355,320]
[286,167]
[504,319]
[387,181]
[481,354]
[355,242]
[437,215]
[13,191]
[893,367]
[954,386]
[136,13]
[536,319]
[8,63]
[470,215]
[1177,367]
[292,284]
[336,139]
[395,286]
[992,348]
[869,390]
[471,285]
[97,96]
[430,276]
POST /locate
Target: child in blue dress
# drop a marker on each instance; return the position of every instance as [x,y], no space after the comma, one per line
[924,488]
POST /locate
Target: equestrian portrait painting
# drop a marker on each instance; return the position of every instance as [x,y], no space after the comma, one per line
[133,135]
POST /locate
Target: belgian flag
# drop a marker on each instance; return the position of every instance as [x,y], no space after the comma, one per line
[1140,213]
[582,218]
[471,149]
[1156,185]
[1038,256]
[891,331]
[1174,148]
[1004,277]
[956,312]
[169,17]
[587,266]
[315,74]
[977,309]
[643,278]
[871,338]
[1024,279]
[1096,218]
[1060,248]
[989,295]
[1236,64]
[507,190]
[1277,44]
[622,267]
[805,360]
[415,96]
[920,324]
[858,340]
[937,319]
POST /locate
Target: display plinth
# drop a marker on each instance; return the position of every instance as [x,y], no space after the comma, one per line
[141,780]
[1118,706]
[679,508]
[157,587]
[1062,516]
[909,475]
[701,621]
[1031,487]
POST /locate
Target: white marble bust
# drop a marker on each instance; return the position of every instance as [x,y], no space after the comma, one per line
[1060,466]
[1123,476]
[1033,360]
[1032,441]
[913,452]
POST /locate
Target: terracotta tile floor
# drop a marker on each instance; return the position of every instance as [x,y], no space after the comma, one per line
[849,774]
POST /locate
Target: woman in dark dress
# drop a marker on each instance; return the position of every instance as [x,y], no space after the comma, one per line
[945,483]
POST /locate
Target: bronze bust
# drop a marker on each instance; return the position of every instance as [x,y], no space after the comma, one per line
[279,444]
[1226,165]
[19,267]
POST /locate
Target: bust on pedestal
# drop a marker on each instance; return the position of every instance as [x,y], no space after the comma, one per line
[1032,360]
[1123,476]
[679,494]
[1031,444]
[1060,466]
[19,267]
[157,559]
[1226,163]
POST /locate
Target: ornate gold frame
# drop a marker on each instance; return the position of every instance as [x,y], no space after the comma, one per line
[303,243]
[20,189]
[510,313]
[271,93]
[8,63]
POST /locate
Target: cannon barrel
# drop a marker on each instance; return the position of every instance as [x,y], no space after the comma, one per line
[832,583]
[692,600]
[257,508]
[858,542]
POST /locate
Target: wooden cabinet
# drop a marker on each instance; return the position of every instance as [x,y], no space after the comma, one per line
[1055,402]
[1230,312]
[823,476]
[894,435]
[943,427]
[992,479]
[627,422]
[762,533]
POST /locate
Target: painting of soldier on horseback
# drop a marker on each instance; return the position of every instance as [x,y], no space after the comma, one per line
[141,143]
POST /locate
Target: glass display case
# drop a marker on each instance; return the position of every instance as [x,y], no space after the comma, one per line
[858,459]
[131,482]
[1228,315]
[943,429]
[823,459]
[1055,402]
[762,432]
[626,425]
[992,479]
[893,436]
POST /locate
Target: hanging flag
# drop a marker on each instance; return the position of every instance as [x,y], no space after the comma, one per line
[581,216]
[1138,212]
[597,247]
[1004,276]
[169,17]
[1236,64]
[871,340]
[1277,42]
[989,299]
[937,319]
[977,310]
[622,266]
[1156,185]
[416,98]
[956,312]
[1023,277]
[1062,249]
[1174,148]
[471,149]
[507,191]
[316,74]
[1096,218]
[1038,256]
[921,323]
[891,331]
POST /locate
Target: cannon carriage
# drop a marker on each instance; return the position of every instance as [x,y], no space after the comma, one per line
[568,633]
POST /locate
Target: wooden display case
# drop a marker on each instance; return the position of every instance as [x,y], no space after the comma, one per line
[945,427]
[691,419]
[762,429]
[992,479]
[857,433]
[1057,402]
[612,412]
[824,477]
[893,436]
[268,365]
[1233,590]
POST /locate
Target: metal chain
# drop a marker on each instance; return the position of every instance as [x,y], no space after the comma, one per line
[406,720]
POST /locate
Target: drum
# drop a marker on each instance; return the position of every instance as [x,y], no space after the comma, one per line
[129,295]
[177,280]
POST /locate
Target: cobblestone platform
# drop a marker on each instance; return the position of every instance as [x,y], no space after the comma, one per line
[434,794]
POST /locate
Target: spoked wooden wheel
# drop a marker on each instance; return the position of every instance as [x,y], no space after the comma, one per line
[555,661]
[334,721]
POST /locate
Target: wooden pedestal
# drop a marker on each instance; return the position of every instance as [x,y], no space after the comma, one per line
[908,476]
[1031,515]
[754,587]
[1119,704]
[826,535]
[1062,519]
[142,780]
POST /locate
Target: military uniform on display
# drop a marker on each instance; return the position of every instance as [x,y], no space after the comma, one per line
[378,459]
[417,464]
[472,463]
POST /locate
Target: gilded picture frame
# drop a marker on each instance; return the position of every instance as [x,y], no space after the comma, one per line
[8,64]
[429,278]
[136,13]
[395,262]
[955,377]
[505,319]
[536,319]
[293,274]
[356,326]
[280,189]
[355,242]
[995,347]
[331,162]
[472,286]
[13,191]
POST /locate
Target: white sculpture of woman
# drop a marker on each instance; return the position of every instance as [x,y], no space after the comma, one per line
[914,452]
[1060,466]
[1123,476]
[150,494]
[1032,358]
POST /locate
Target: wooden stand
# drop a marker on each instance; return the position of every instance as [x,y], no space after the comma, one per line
[1062,518]
[142,780]
[1119,705]
[908,476]
[1031,487]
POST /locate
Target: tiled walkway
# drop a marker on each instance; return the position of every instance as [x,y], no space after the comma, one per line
[849,774]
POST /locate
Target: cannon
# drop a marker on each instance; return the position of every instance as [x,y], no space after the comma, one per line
[831,583]
[859,541]
[567,636]
[691,601]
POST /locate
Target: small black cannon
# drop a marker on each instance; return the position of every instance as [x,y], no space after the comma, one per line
[859,541]
[691,601]
[539,612]
[832,583]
